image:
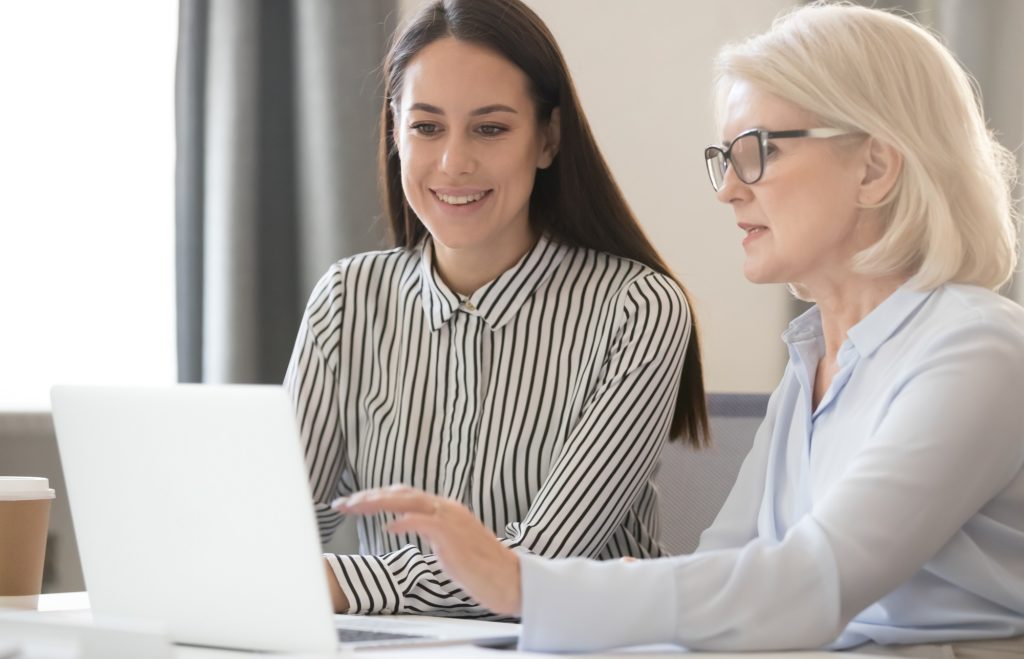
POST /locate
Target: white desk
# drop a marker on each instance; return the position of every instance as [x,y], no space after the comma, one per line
[73,609]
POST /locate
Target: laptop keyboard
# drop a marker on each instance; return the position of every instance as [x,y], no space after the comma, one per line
[367,636]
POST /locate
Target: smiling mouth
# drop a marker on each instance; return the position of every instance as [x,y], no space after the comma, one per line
[752,230]
[461,200]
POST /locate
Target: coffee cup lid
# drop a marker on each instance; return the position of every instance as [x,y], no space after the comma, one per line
[19,488]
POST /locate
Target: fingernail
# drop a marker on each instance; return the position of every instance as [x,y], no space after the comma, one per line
[340,503]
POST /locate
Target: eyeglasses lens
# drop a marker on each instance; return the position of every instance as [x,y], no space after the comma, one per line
[746,158]
[716,166]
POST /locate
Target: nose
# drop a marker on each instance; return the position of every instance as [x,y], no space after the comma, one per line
[733,189]
[458,157]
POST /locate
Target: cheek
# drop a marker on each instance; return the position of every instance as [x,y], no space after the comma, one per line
[410,158]
[811,200]
[518,163]
[409,186]
[416,173]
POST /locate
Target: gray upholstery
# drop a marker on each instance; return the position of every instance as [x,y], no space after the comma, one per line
[692,485]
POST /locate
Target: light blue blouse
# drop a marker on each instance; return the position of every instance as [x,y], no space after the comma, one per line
[893,513]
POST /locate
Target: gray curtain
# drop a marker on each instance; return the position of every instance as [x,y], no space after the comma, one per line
[277,112]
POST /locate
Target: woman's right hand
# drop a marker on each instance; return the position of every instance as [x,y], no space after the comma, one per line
[466,549]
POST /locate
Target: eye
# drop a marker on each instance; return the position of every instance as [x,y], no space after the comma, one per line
[491,130]
[771,150]
[425,128]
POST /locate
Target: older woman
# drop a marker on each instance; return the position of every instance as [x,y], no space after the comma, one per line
[882,503]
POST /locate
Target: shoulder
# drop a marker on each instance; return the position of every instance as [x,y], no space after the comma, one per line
[362,269]
[967,310]
[348,276]
[975,327]
[639,295]
[987,306]
[638,284]
[351,267]
[963,365]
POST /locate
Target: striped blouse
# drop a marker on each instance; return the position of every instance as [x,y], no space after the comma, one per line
[541,402]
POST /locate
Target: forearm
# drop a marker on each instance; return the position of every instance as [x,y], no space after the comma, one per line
[764,596]
[405,581]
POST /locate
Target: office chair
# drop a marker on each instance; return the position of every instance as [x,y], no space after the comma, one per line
[692,485]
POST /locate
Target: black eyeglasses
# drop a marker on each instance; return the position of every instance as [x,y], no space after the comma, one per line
[749,150]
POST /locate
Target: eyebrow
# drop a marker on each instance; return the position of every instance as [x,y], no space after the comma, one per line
[487,109]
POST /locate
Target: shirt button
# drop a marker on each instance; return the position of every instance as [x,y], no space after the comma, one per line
[468,306]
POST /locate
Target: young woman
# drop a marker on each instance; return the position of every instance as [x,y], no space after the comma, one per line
[523,349]
[882,504]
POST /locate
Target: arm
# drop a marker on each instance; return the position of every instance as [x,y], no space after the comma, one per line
[942,452]
[596,477]
[312,381]
[613,449]
[896,500]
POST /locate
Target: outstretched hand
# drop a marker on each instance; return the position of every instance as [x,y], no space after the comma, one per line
[466,549]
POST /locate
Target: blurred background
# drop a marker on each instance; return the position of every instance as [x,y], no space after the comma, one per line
[174,177]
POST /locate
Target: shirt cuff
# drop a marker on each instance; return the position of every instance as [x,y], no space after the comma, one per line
[578,605]
[367,584]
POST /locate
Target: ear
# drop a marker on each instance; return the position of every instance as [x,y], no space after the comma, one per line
[552,135]
[882,167]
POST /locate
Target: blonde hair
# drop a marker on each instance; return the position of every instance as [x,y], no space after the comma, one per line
[950,215]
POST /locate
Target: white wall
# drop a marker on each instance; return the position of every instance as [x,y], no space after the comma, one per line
[643,73]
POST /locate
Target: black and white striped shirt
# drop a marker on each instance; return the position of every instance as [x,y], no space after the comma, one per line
[541,402]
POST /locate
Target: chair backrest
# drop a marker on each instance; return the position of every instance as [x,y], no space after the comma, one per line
[692,485]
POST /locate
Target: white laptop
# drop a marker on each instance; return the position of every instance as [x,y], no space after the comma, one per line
[192,510]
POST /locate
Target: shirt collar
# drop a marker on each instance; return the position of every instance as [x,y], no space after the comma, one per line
[496,302]
[805,326]
[886,319]
[872,331]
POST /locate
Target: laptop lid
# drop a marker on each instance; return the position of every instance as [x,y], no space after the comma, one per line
[192,509]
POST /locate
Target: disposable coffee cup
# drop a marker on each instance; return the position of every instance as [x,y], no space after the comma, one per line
[24,519]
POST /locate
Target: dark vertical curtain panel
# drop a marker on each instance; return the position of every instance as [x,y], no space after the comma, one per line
[277,113]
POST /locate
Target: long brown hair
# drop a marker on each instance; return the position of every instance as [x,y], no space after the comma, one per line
[576,200]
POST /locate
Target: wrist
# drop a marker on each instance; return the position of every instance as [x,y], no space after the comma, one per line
[515,586]
[338,600]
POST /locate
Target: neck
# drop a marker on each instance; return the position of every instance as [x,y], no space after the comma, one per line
[467,269]
[845,303]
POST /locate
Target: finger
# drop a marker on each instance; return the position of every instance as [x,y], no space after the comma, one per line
[426,525]
[373,493]
[390,500]
[356,497]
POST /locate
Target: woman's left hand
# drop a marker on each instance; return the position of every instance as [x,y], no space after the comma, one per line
[466,549]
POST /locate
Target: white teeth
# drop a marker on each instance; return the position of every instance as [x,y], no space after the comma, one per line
[459,201]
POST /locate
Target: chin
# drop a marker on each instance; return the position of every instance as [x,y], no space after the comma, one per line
[454,239]
[753,274]
[756,275]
